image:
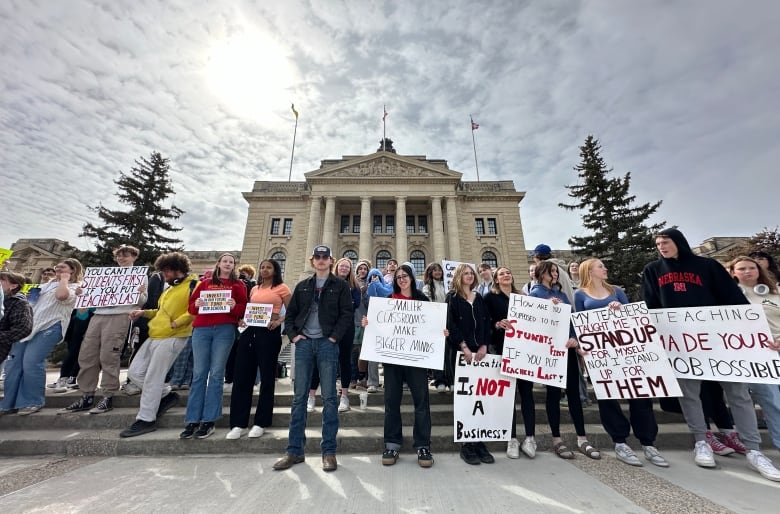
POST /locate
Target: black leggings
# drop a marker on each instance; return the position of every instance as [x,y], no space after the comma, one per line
[345,361]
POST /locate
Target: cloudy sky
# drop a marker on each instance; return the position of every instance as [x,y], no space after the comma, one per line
[684,95]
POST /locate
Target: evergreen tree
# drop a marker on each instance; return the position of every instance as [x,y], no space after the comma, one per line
[766,241]
[144,223]
[619,231]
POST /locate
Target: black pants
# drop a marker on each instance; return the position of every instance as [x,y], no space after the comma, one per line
[73,338]
[641,420]
[525,390]
[417,380]
[257,347]
[345,361]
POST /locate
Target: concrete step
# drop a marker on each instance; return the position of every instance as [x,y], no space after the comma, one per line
[165,441]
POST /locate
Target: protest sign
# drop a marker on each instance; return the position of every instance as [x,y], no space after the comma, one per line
[484,400]
[728,343]
[110,286]
[535,344]
[215,301]
[624,356]
[28,287]
[258,314]
[405,332]
[449,271]
[5,254]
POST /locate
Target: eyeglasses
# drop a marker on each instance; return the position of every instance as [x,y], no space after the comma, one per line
[401,277]
[319,257]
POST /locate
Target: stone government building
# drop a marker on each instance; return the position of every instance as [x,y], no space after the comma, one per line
[381,206]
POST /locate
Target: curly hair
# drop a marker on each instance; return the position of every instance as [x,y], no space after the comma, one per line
[174,261]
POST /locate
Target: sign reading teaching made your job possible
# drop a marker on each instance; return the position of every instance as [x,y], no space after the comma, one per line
[624,356]
[110,286]
[484,400]
[728,343]
[535,345]
[405,332]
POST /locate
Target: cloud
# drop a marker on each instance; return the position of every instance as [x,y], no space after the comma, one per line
[682,95]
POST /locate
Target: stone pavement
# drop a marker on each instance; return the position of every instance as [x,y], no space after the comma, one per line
[247,483]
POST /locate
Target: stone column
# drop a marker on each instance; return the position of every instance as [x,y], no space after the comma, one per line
[329,221]
[366,226]
[453,228]
[437,229]
[313,238]
[401,237]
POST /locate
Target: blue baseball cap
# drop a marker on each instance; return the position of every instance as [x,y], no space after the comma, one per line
[542,250]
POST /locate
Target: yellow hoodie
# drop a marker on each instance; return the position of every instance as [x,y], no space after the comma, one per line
[172,306]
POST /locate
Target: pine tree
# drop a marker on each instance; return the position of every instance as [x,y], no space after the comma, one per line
[619,232]
[144,223]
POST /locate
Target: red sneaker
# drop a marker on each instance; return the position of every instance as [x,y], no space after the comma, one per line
[732,441]
[718,448]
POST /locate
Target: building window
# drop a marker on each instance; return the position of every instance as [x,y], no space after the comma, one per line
[275,226]
[351,255]
[377,224]
[490,258]
[390,224]
[410,224]
[287,230]
[417,258]
[356,224]
[382,257]
[480,226]
[344,225]
[492,228]
[422,222]
[281,259]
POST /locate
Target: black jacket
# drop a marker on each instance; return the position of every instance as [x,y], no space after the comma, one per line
[467,322]
[335,307]
[688,281]
[16,323]
[498,308]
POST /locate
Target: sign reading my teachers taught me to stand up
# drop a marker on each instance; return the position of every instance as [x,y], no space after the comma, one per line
[624,353]
[484,400]
[110,286]
[728,343]
[405,332]
[215,301]
[535,344]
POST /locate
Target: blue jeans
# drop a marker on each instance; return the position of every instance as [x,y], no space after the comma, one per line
[25,371]
[210,349]
[324,355]
[768,397]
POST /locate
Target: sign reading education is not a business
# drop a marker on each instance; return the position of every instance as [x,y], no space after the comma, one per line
[405,332]
[110,286]
[484,400]
[624,356]
[728,343]
[535,345]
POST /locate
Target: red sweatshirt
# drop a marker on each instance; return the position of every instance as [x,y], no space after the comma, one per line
[238,289]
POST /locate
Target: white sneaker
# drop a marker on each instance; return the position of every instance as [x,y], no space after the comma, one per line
[256,432]
[703,456]
[654,456]
[371,389]
[60,383]
[235,433]
[343,404]
[513,449]
[529,447]
[441,388]
[757,461]
[131,389]
[310,404]
[624,453]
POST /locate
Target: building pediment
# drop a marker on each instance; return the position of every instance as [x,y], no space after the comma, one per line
[383,165]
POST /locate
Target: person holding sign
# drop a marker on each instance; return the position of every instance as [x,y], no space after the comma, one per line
[213,333]
[469,326]
[319,314]
[595,292]
[405,288]
[679,278]
[433,288]
[25,371]
[258,348]
[548,288]
[759,288]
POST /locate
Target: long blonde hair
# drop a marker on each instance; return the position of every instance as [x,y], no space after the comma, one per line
[586,282]
[351,280]
[457,285]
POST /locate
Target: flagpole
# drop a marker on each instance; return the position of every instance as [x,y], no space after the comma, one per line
[295,133]
[384,126]
[474,144]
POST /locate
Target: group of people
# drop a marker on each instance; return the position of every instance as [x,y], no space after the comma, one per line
[324,318]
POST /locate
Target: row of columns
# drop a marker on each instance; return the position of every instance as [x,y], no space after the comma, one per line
[365,248]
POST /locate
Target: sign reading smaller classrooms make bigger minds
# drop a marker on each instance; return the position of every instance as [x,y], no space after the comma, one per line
[405,332]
